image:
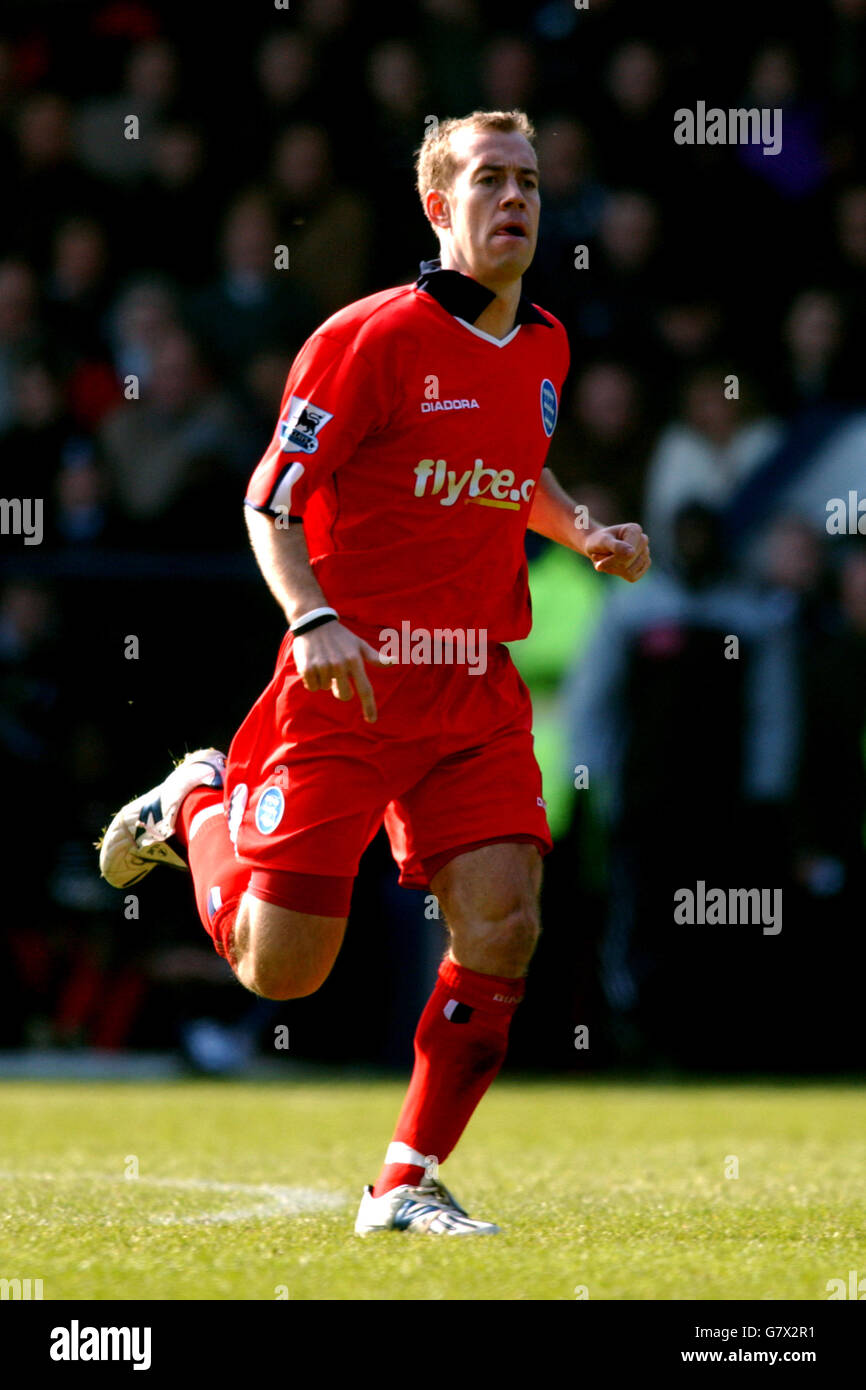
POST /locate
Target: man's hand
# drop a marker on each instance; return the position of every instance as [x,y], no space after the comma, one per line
[621,550]
[333,656]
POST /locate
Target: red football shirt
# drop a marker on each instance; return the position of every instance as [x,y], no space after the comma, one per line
[410,443]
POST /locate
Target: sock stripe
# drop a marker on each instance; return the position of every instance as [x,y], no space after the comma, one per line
[456,1012]
[402,1153]
[207,813]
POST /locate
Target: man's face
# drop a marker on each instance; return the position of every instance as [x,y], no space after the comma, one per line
[488,219]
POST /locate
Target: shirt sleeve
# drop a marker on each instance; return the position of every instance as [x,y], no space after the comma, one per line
[333,398]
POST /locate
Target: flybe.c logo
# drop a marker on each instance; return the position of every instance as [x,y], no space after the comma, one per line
[488,487]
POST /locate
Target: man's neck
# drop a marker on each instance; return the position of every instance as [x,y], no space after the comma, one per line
[499,316]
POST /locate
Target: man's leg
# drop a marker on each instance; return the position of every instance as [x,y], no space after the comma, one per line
[280,931]
[283,954]
[276,951]
[490,901]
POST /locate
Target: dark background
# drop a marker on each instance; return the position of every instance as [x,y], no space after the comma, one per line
[155,257]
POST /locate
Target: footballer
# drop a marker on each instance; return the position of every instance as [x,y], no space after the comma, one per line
[406,465]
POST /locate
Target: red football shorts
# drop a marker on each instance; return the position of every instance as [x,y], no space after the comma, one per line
[448,764]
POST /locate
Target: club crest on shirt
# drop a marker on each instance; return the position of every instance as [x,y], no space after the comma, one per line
[269,811]
[300,424]
[548,406]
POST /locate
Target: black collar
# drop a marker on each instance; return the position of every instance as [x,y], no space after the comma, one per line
[464,297]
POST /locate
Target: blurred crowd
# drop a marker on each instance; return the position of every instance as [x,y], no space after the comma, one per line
[153,157]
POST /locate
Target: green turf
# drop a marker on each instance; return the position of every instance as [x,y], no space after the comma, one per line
[618,1188]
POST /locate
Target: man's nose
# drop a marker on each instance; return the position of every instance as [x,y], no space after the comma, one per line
[513,193]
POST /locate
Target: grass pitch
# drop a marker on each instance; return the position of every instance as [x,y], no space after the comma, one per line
[249,1191]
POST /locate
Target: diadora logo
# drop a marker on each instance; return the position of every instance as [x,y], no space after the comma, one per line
[427,406]
[431,401]
[489,487]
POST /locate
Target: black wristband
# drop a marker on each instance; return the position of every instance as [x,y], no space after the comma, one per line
[313,623]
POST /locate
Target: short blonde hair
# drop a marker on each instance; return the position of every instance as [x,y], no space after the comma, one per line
[435,163]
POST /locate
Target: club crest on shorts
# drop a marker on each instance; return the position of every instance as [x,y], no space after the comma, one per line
[300,425]
[548,406]
[237,806]
[269,811]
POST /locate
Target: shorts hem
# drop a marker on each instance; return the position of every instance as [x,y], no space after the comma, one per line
[429,866]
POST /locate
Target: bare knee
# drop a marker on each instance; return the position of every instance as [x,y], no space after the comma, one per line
[275,979]
[512,937]
[490,897]
[282,954]
[500,942]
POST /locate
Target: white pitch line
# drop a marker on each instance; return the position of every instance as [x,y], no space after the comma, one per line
[275,1200]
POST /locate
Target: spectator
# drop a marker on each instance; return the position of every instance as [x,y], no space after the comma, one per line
[601,448]
[259,399]
[252,305]
[705,455]
[48,178]
[19,330]
[814,343]
[142,316]
[690,759]
[798,169]
[848,266]
[634,127]
[450,38]
[832,791]
[32,450]
[398,94]
[621,293]
[185,427]
[328,228]
[509,74]
[151,83]
[573,204]
[174,199]
[77,289]
[283,87]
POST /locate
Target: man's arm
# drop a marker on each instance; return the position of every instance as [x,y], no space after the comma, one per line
[330,655]
[621,550]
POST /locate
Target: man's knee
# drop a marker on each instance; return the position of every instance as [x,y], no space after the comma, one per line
[490,897]
[513,932]
[275,976]
[500,941]
[282,954]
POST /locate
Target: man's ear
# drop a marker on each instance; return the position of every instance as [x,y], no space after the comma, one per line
[437,209]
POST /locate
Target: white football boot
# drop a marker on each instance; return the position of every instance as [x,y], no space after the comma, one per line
[137,839]
[428,1210]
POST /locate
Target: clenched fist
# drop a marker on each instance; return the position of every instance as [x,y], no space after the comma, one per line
[621,550]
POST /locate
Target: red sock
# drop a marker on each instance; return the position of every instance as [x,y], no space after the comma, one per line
[219,880]
[460,1044]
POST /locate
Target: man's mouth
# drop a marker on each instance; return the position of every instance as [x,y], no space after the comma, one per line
[511,229]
